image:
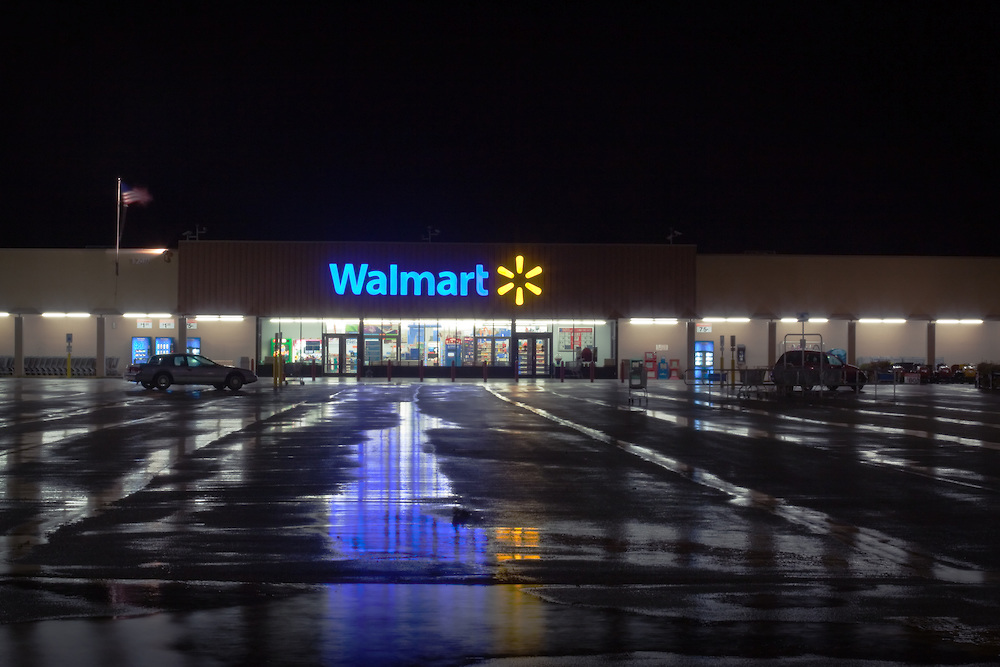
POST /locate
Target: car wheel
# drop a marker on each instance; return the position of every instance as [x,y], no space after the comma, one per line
[161,381]
[147,385]
[234,382]
[832,387]
[219,386]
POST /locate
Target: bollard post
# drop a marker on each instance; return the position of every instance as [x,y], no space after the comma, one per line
[452,370]
[562,373]
[421,371]
[484,371]
[314,370]
[592,370]
[622,375]
[388,371]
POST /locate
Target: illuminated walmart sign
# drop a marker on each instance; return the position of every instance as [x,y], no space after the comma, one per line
[355,280]
[362,279]
[525,280]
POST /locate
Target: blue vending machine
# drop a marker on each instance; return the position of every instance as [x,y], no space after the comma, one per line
[194,345]
[141,348]
[452,352]
[704,358]
[164,345]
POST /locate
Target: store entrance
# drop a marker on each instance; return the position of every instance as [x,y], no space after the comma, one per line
[340,354]
[534,355]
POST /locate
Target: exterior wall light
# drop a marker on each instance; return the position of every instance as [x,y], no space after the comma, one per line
[218,318]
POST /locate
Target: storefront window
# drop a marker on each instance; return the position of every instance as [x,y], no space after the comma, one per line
[299,339]
[381,342]
[459,342]
[534,326]
[574,341]
[422,341]
[492,342]
[340,326]
[571,339]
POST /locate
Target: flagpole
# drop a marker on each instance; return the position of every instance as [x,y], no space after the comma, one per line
[118,224]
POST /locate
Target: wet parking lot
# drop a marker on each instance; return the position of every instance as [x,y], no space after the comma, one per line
[500,523]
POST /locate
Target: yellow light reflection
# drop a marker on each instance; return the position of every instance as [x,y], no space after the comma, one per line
[511,543]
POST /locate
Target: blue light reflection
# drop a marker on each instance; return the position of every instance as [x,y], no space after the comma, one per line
[402,505]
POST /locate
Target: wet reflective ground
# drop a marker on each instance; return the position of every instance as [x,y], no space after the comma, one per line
[439,523]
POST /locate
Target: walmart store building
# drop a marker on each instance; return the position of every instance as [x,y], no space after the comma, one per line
[526,310]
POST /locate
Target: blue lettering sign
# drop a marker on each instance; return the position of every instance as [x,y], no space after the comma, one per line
[351,279]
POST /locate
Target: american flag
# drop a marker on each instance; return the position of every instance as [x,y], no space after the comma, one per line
[135,196]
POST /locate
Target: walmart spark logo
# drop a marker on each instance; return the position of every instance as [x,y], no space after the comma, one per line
[515,275]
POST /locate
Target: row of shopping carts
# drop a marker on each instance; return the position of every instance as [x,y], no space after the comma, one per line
[56,366]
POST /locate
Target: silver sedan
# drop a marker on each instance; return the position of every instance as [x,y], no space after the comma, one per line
[163,370]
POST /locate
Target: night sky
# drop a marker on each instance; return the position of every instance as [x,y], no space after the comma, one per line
[788,127]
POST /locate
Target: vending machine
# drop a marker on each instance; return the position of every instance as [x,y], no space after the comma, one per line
[194,345]
[164,345]
[141,347]
[452,351]
[704,358]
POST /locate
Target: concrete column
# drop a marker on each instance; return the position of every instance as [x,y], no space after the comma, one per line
[931,343]
[692,327]
[852,342]
[19,346]
[101,370]
[361,347]
[772,342]
[182,333]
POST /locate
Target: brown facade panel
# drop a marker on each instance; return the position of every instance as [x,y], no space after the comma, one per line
[848,287]
[575,280]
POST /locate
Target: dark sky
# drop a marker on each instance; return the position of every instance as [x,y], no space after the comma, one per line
[816,127]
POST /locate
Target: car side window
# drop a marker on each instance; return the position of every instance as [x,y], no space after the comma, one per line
[178,361]
[193,362]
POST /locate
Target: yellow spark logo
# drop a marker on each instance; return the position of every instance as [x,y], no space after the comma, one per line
[526,285]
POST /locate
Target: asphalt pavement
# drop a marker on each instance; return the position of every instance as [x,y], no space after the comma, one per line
[345,522]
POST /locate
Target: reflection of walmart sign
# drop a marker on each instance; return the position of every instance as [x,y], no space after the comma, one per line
[356,280]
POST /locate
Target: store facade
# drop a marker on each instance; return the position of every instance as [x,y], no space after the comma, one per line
[437,309]
[511,310]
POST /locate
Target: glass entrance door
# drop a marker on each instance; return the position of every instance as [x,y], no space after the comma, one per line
[340,354]
[534,355]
